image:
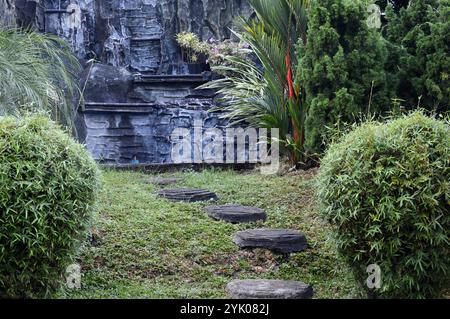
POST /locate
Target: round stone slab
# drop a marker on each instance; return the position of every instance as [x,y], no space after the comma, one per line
[187,195]
[164,181]
[269,289]
[279,240]
[236,213]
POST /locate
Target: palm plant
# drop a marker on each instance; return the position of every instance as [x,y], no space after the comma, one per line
[268,97]
[37,73]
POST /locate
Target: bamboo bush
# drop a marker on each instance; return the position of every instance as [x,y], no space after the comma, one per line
[48,187]
[385,189]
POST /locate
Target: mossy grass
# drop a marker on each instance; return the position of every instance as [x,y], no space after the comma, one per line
[153,248]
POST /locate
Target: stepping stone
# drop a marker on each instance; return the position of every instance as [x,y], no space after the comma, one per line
[269,289]
[187,195]
[164,181]
[278,240]
[236,213]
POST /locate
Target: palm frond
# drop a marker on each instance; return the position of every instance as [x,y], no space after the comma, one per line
[257,95]
[37,72]
[246,95]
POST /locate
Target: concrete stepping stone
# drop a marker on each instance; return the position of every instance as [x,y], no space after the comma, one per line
[269,289]
[236,213]
[187,195]
[279,240]
[164,181]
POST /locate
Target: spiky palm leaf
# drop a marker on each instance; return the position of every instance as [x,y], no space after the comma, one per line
[285,18]
[37,73]
[259,96]
[256,97]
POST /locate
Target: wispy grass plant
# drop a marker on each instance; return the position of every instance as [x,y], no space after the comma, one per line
[37,72]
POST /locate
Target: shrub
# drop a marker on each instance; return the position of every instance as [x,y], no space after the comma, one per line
[419,53]
[341,68]
[48,186]
[385,189]
[396,4]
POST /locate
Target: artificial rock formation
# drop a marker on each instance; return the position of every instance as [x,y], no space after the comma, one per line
[7,13]
[127,33]
[139,89]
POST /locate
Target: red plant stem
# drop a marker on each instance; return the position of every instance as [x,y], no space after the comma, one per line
[289,76]
[292,98]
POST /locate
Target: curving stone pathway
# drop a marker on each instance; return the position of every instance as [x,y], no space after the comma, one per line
[187,195]
[279,240]
[269,289]
[236,213]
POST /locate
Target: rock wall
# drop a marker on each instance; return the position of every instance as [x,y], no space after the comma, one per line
[142,134]
[7,12]
[139,90]
[20,12]
[121,32]
[207,18]
[138,33]
[130,117]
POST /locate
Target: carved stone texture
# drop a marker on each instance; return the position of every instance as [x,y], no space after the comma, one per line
[187,195]
[278,240]
[269,289]
[133,100]
[8,13]
[236,213]
[139,34]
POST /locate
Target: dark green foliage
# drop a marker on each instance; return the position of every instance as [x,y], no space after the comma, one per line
[396,4]
[48,185]
[385,189]
[419,53]
[342,63]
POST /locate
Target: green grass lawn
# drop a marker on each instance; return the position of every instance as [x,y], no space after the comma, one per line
[146,247]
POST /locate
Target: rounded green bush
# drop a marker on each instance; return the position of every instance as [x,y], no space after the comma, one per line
[48,185]
[385,189]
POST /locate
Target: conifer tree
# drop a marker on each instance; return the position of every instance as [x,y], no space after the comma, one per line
[419,51]
[397,4]
[341,68]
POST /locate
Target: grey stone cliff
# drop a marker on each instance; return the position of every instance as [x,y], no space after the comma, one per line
[139,89]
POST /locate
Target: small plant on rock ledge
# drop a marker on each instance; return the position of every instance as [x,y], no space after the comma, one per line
[220,51]
[213,52]
[191,47]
